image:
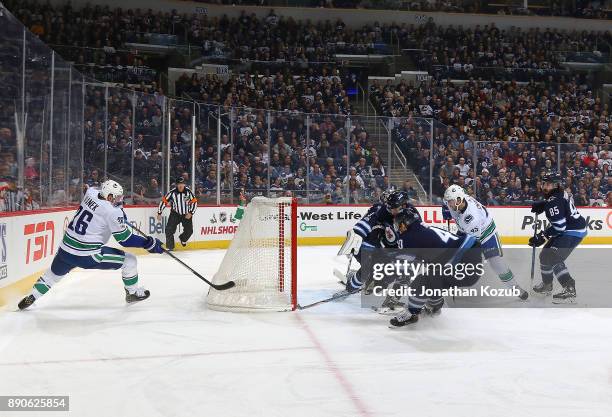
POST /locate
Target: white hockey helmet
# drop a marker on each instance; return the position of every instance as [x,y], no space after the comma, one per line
[455,195]
[110,187]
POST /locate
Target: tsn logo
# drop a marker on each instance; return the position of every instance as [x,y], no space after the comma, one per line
[40,240]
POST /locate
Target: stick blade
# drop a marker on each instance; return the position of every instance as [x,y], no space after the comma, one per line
[225,286]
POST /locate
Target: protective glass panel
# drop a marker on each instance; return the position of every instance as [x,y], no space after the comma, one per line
[94,130]
[509,173]
[329,149]
[118,143]
[148,151]
[288,164]
[207,173]
[11,120]
[75,154]
[249,153]
[180,144]
[369,156]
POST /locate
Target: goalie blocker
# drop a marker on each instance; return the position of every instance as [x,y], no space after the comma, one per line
[261,260]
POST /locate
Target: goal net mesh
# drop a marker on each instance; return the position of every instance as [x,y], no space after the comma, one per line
[260,260]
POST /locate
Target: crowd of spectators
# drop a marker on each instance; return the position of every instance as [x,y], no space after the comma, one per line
[98,34]
[322,92]
[259,150]
[487,51]
[314,165]
[587,9]
[96,38]
[496,139]
[127,120]
[127,135]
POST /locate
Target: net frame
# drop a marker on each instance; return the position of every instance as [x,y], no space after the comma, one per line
[278,293]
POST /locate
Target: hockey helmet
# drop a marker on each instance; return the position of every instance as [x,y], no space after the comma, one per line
[552,177]
[406,217]
[396,200]
[114,189]
[454,194]
[384,196]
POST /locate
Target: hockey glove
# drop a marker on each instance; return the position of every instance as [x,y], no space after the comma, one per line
[538,207]
[537,240]
[153,245]
[446,214]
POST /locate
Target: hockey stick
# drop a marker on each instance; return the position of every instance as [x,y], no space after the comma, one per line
[225,286]
[533,250]
[337,295]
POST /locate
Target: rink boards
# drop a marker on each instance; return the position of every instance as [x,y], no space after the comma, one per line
[29,240]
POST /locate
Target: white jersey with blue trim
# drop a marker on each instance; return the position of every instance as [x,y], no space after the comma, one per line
[93,224]
[475,220]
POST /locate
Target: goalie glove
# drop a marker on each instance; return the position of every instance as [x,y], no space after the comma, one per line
[351,245]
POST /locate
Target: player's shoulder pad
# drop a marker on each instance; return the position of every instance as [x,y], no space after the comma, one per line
[117,214]
[374,208]
[554,198]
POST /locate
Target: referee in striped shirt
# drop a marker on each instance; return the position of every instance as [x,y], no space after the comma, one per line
[182,205]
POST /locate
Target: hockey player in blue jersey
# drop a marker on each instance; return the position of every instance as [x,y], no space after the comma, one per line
[566,231]
[99,216]
[374,230]
[432,245]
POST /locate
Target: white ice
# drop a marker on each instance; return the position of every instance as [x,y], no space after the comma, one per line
[170,356]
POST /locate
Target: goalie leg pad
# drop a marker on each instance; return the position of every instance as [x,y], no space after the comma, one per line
[351,244]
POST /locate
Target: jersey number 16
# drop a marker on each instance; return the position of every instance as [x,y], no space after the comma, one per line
[84,217]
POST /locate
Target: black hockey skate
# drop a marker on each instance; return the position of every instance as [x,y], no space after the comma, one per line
[26,302]
[183,243]
[543,288]
[403,319]
[524,295]
[138,295]
[565,296]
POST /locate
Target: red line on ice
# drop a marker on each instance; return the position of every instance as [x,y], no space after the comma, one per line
[335,369]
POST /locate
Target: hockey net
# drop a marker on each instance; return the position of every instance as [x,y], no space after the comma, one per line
[261,260]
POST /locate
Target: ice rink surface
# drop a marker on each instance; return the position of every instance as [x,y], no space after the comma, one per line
[170,356]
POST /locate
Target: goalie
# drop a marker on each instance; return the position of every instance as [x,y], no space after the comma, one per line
[473,219]
[374,230]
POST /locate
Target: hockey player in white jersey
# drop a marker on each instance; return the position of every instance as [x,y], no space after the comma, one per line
[473,219]
[99,216]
